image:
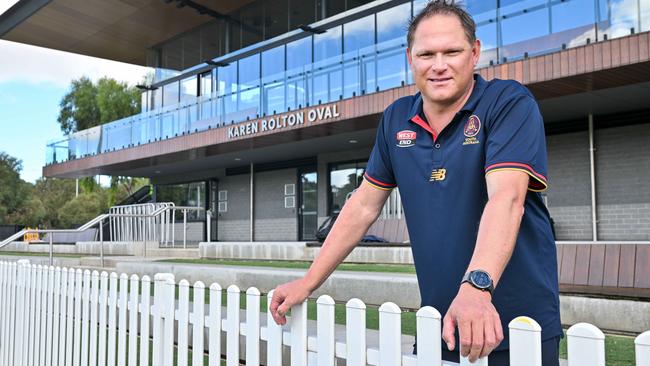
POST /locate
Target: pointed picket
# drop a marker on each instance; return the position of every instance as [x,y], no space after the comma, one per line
[78,292]
[252,327]
[133,320]
[163,319]
[49,316]
[85,318]
[299,334]
[4,309]
[642,349]
[183,321]
[111,342]
[145,311]
[429,340]
[94,299]
[390,329]
[56,298]
[232,327]
[585,345]
[214,324]
[23,315]
[198,320]
[122,314]
[34,299]
[170,309]
[525,342]
[273,336]
[69,336]
[63,318]
[325,331]
[103,303]
[355,332]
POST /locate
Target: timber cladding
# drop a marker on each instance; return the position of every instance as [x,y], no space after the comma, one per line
[605,269]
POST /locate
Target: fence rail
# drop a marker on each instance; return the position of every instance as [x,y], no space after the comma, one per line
[65,316]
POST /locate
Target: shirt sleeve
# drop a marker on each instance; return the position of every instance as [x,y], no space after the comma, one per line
[379,171]
[516,141]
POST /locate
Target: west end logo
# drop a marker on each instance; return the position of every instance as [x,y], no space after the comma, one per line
[472,128]
[406,138]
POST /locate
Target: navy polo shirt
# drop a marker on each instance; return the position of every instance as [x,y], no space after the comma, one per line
[442,184]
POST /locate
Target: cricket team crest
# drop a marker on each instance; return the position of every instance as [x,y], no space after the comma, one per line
[406,138]
[472,128]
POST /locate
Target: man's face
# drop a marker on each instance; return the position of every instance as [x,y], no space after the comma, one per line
[442,59]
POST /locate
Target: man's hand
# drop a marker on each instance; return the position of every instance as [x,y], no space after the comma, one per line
[478,323]
[285,296]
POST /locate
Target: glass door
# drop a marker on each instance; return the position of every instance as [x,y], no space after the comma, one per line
[307,203]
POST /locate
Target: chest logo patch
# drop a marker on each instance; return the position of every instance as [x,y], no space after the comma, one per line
[438,175]
[472,128]
[406,138]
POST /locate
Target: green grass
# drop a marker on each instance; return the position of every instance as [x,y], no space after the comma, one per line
[39,254]
[369,267]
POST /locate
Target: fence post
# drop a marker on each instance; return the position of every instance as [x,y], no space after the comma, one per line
[85,316]
[585,345]
[355,332]
[94,300]
[32,315]
[232,326]
[273,336]
[299,334]
[390,331]
[163,324]
[429,341]
[525,342]
[122,311]
[325,331]
[49,315]
[252,327]
[642,349]
[214,324]
[198,320]
[184,229]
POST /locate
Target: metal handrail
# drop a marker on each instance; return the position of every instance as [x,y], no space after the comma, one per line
[97,220]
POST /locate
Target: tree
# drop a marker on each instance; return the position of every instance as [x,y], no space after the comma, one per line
[14,192]
[88,104]
[82,209]
[53,193]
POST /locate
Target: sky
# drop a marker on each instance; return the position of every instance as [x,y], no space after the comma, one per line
[33,80]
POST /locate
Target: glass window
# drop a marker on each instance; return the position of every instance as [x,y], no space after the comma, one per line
[170,94]
[302,12]
[358,59]
[645,16]
[276,20]
[189,88]
[172,55]
[419,5]
[572,22]
[484,13]
[191,50]
[186,194]
[210,41]
[227,91]
[391,39]
[344,179]
[334,7]
[234,33]
[327,74]
[297,66]
[249,87]
[156,98]
[623,15]
[206,84]
[273,80]
[524,28]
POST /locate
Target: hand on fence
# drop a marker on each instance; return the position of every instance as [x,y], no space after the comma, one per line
[478,323]
[285,296]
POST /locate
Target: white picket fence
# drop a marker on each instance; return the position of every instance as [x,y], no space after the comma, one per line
[62,316]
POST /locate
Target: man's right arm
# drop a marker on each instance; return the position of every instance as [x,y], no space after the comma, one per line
[358,213]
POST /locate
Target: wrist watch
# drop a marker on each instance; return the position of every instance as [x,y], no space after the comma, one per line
[479,279]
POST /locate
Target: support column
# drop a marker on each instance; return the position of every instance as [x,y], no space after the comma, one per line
[592,166]
[252,217]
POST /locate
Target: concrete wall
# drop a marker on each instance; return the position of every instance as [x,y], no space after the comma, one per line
[272,220]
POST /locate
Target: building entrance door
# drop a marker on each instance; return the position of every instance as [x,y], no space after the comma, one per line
[307,203]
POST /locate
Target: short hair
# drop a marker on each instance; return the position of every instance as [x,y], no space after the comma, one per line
[442,7]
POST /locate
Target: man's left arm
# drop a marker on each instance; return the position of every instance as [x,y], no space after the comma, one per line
[472,311]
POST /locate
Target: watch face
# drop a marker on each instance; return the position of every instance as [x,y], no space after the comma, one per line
[481,279]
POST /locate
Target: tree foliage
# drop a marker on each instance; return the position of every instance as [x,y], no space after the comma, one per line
[89,104]
[13,190]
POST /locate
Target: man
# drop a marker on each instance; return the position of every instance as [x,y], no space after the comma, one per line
[469,157]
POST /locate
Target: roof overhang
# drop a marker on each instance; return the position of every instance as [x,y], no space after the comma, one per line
[110,29]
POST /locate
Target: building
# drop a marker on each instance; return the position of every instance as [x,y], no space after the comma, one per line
[268,108]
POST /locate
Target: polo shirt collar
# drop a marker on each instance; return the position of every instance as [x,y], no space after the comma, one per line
[416,114]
